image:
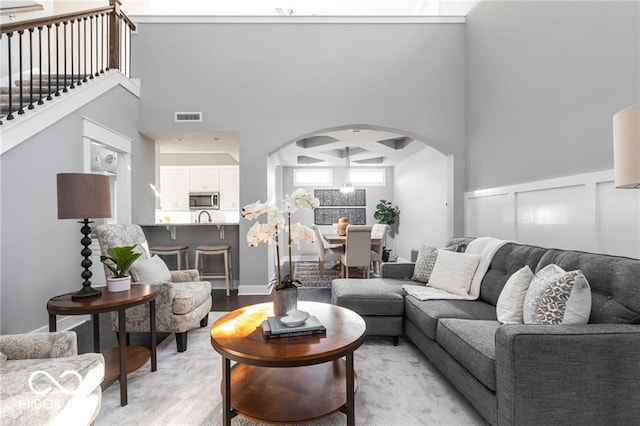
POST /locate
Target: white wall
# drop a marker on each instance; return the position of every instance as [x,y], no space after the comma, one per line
[277,82]
[580,212]
[421,191]
[544,79]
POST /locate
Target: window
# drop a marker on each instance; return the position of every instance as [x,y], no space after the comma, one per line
[312,177]
[368,177]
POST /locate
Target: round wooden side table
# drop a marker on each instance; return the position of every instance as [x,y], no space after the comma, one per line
[124,359]
[308,377]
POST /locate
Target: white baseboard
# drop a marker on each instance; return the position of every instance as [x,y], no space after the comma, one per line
[253,290]
[64,323]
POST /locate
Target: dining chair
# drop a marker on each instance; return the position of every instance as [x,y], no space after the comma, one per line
[378,232]
[326,252]
[357,251]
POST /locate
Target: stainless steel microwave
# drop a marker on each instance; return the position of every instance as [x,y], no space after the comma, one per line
[204,200]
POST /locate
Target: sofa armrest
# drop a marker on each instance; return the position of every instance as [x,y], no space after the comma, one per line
[397,270]
[568,374]
[185,275]
[39,345]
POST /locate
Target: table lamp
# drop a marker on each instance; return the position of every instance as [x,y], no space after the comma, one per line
[626,147]
[84,196]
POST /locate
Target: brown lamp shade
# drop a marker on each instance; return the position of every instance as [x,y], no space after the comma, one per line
[83,196]
[626,147]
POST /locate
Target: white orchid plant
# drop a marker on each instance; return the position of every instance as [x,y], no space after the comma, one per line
[279,219]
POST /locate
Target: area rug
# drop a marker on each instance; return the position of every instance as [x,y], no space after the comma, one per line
[309,275]
[397,385]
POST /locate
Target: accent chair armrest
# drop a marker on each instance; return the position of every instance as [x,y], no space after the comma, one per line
[568,374]
[397,270]
[39,345]
[185,275]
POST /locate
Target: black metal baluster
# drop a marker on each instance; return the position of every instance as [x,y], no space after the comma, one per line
[20,33]
[40,101]
[49,62]
[91,31]
[84,23]
[102,43]
[31,69]
[0,45]
[57,74]
[108,30]
[64,81]
[10,114]
[72,86]
[79,82]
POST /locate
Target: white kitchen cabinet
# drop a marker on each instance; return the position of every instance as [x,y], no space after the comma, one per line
[174,189]
[229,189]
[204,180]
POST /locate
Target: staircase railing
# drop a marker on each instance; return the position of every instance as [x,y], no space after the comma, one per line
[49,56]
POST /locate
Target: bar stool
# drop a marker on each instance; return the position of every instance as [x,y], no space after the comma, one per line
[178,251]
[225,251]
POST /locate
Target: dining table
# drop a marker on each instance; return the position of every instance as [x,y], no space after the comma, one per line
[342,239]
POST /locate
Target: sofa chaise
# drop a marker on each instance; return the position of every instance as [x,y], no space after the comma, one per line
[521,374]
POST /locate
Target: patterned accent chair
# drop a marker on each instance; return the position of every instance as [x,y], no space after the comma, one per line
[45,381]
[182,304]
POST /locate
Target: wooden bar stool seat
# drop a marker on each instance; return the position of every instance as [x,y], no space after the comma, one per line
[227,274]
[178,251]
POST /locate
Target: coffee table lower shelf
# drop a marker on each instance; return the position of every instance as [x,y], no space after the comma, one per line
[290,394]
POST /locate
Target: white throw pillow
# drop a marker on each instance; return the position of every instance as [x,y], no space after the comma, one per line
[454,271]
[152,270]
[511,300]
[558,297]
[424,263]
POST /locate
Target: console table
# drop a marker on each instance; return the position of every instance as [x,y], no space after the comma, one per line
[124,359]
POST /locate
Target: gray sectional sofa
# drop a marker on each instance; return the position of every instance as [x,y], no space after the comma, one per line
[521,374]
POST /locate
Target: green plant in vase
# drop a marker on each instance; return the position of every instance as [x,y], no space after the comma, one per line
[386,213]
[119,260]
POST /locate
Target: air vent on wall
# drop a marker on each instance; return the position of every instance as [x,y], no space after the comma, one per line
[188,116]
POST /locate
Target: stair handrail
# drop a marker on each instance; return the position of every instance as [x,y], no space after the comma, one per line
[114,39]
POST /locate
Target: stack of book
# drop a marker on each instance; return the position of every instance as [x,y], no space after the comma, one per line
[273,328]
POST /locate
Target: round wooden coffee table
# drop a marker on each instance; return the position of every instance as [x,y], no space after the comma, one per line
[290,379]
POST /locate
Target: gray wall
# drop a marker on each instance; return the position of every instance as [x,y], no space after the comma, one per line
[41,254]
[275,83]
[543,82]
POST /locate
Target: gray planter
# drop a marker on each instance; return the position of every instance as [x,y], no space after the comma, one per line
[285,300]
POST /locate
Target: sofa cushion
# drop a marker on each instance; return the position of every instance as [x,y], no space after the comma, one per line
[509,308]
[425,262]
[472,344]
[373,296]
[426,313]
[190,295]
[507,260]
[454,271]
[613,280]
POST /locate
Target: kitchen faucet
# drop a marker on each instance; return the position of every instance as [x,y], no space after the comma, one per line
[208,215]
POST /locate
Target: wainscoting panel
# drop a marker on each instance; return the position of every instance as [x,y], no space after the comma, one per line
[580,212]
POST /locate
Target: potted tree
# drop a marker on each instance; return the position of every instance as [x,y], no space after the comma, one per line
[119,261]
[386,213]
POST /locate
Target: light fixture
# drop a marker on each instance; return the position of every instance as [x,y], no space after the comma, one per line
[84,196]
[626,147]
[347,188]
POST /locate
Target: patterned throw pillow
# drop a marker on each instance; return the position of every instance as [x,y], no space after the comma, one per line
[424,263]
[557,297]
[510,305]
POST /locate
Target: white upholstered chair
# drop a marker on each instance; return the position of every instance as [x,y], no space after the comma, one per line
[378,231]
[183,302]
[326,252]
[357,251]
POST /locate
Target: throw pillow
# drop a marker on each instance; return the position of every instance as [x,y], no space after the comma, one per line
[424,263]
[152,270]
[510,303]
[558,297]
[3,357]
[454,271]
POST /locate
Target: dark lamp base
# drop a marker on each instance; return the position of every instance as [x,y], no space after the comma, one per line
[86,293]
